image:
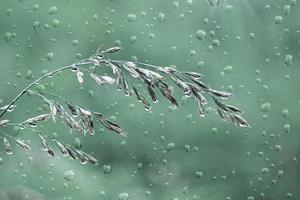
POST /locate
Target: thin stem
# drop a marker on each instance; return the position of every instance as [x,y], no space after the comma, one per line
[160,68]
[82,62]
[50,94]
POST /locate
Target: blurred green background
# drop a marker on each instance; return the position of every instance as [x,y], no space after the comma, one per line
[251,48]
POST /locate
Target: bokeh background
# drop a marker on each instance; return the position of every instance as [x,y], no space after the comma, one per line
[251,48]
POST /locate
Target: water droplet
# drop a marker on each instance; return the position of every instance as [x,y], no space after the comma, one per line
[214,130]
[139,165]
[131,17]
[228,8]
[288,60]
[277,147]
[201,34]
[264,170]
[228,69]
[36,7]
[50,56]
[36,25]
[285,113]
[123,196]
[266,107]
[286,10]
[28,74]
[52,10]
[251,35]
[69,175]
[161,17]
[106,169]
[75,42]
[170,146]
[55,23]
[77,142]
[278,20]
[9,12]
[199,174]
[7,36]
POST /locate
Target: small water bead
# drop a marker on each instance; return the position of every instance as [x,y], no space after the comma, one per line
[161,17]
[162,124]
[214,130]
[201,34]
[187,148]
[75,42]
[131,17]
[91,93]
[287,128]
[29,75]
[265,170]
[216,43]
[46,26]
[286,10]
[139,166]
[55,23]
[9,12]
[228,8]
[123,196]
[132,39]
[65,185]
[278,147]
[41,87]
[200,64]
[278,19]
[267,7]
[193,53]
[131,106]
[189,117]
[228,69]
[52,10]
[266,107]
[112,118]
[212,33]
[106,169]
[69,175]
[250,198]
[36,25]
[148,193]
[77,142]
[189,3]
[123,144]
[280,173]
[293,2]
[170,146]
[50,56]
[102,193]
[175,4]
[7,36]
[285,113]
[36,7]
[230,88]
[288,60]
[252,36]
[151,36]
[199,174]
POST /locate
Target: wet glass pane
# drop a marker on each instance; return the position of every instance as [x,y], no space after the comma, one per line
[149,99]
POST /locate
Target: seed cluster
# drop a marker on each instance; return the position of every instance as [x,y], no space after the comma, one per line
[154,78]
